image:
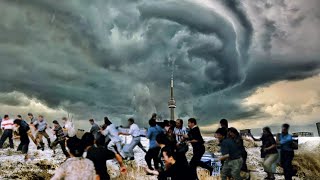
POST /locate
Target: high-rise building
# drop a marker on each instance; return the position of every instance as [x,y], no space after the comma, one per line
[172,102]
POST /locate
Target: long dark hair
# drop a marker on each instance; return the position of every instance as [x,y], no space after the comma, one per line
[234,131]
[107,121]
[268,130]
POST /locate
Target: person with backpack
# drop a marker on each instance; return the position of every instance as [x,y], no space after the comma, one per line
[286,151]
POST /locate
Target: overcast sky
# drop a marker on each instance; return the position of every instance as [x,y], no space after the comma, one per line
[255,63]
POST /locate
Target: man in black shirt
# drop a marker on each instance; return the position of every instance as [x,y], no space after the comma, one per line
[173,169]
[195,138]
[23,135]
[231,155]
[98,154]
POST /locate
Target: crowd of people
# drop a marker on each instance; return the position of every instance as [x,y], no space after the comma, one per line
[166,155]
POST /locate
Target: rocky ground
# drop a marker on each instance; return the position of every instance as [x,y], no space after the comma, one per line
[42,164]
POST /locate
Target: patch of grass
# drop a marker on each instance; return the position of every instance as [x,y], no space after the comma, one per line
[308,164]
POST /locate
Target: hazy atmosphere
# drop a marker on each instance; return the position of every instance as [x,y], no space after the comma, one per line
[255,63]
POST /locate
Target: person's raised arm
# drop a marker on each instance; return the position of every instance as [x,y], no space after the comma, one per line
[255,139]
[126,134]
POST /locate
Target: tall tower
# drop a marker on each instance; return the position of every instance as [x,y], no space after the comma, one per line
[172,102]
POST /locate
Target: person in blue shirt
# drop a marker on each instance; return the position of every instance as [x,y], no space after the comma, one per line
[231,155]
[42,126]
[286,151]
[154,148]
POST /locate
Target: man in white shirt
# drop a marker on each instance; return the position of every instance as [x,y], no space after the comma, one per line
[7,126]
[179,131]
[68,128]
[112,133]
[135,133]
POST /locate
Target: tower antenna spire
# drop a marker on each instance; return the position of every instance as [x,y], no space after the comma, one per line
[172,102]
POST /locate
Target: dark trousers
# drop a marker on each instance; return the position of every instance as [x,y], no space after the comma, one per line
[198,152]
[62,145]
[23,147]
[153,153]
[141,147]
[244,166]
[286,158]
[7,133]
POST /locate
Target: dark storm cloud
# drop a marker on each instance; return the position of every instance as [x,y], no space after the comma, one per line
[242,17]
[218,53]
[94,58]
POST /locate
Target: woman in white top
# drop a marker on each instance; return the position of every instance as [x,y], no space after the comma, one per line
[76,167]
